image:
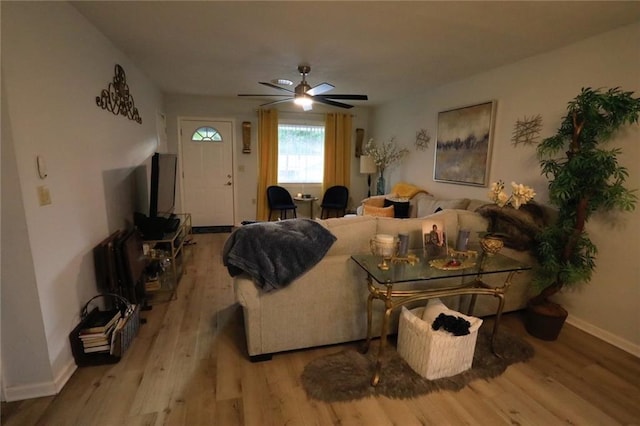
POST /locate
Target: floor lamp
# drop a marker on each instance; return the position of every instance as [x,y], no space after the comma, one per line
[368,166]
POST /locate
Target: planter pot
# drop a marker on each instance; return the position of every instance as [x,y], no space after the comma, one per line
[545,321]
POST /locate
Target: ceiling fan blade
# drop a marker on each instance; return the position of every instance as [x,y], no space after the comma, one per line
[320,89]
[330,102]
[277,102]
[345,97]
[255,95]
[275,86]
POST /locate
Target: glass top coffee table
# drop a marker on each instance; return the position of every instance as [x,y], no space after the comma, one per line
[417,269]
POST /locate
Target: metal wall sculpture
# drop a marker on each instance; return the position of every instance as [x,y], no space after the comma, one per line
[117,99]
[422,139]
[527,130]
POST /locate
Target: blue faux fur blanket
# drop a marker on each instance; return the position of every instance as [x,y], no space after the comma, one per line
[276,253]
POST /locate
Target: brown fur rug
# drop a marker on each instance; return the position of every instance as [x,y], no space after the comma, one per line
[346,375]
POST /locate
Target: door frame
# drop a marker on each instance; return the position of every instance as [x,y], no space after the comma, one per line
[234,142]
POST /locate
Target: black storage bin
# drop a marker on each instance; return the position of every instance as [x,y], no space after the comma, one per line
[123,335]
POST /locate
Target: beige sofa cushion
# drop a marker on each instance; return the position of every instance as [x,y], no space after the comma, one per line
[412,226]
[352,233]
[473,222]
[427,206]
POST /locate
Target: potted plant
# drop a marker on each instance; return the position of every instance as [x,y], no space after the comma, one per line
[584,178]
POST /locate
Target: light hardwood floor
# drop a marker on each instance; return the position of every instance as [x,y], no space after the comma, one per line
[188,366]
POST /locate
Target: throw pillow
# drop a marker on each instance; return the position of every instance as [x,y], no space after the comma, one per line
[375,201]
[400,208]
[378,211]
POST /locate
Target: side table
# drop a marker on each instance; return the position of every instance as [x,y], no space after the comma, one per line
[381,282]
[309,200]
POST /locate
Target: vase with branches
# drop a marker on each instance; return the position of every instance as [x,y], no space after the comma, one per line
[584,178]
[384,156]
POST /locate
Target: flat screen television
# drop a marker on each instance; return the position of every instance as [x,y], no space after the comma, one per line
[162,196]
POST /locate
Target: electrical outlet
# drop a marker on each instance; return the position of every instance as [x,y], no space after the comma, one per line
[44,196]
[253,201]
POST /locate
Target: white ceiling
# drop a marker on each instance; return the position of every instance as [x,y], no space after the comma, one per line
[383,49]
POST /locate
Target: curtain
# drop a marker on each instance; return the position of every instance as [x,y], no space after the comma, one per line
[268,158]
[337,150]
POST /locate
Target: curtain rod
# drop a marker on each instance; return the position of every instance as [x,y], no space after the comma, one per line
[301,114]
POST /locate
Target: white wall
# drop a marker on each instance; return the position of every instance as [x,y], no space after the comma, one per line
[246,165]
[54,64]
[608,306]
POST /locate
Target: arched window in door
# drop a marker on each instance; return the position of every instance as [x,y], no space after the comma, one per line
[206,134]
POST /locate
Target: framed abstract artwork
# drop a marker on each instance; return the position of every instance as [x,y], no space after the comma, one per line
[463,147]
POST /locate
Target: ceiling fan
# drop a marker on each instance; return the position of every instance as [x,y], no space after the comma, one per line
[305,95]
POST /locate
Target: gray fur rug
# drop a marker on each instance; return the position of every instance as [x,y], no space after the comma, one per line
[346,375]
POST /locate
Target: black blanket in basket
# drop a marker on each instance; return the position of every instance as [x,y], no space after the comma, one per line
[276,253]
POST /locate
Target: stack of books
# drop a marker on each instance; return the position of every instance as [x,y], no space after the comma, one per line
[126,332]
[96,336]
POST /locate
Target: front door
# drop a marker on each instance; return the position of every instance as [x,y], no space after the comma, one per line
[207,171]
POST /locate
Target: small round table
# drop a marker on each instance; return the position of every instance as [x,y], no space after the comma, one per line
[309,200]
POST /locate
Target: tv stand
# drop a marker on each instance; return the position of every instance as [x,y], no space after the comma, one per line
[157,228]
[167,256]
[171,224]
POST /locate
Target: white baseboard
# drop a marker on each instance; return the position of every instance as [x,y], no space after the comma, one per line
[608,337]
[39,390]
[64,376]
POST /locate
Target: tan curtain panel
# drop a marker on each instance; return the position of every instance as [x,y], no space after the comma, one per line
[337,150]
[268,158]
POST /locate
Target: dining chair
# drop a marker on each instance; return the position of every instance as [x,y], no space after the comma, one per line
[280,199]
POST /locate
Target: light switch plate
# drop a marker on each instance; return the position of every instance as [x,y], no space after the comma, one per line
[44,197]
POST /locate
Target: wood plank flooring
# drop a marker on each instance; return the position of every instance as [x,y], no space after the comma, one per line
[188,366]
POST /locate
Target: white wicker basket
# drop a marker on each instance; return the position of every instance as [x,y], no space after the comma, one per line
[435,353]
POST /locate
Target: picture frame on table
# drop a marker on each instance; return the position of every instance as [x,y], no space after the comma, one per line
[464,143]
[434,239]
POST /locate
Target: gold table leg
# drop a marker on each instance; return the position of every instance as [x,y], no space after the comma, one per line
[383,344]
[365,347]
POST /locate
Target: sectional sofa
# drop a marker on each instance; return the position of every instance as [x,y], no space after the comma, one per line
[327,304]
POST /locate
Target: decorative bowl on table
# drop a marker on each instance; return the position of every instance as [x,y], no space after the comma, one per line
[491,244]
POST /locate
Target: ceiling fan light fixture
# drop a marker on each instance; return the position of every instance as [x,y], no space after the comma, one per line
[303,101]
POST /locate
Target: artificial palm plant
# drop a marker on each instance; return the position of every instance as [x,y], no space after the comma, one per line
[585,178]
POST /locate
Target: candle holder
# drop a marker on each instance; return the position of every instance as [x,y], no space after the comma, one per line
[385,246]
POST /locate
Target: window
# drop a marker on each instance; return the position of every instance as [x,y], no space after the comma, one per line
[300,153]
[206,134]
